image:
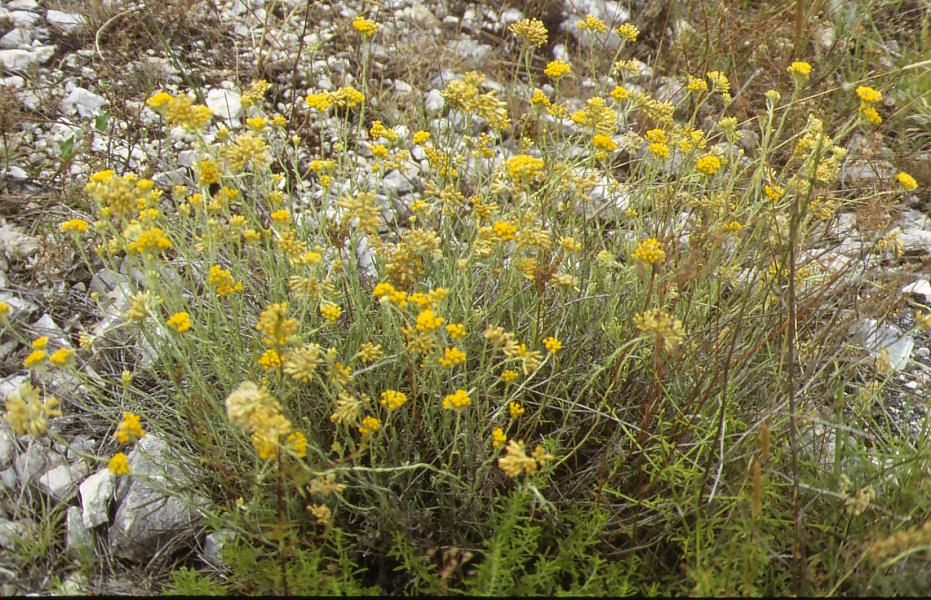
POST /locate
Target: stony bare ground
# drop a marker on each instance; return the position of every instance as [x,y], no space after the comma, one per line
[75,76]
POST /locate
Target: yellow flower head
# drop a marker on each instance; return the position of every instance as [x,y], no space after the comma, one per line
[427,320]
[532,31]
[773,192]
[516,409]
[60,357]
[799,69]
[366,27]
[509,375]
[270,359]
[619,93]
[552,345]
[119,464]
[708,164]
[523,168]
[498,439]
[452,357]
[504,231]
[593,23]
[74,226]
[458,400]
[222,280]
[275,326]
[650,251]
[369,426]
[870,114]
[129,429]
[26,413]
[869,95]
[557,69]
[907,181]
[393,399]
[296,443]
[35,357]
[604,142]
[332,312]
[628,31]
[180,322]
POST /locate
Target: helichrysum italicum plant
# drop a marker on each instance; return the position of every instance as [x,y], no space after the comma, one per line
[504,308]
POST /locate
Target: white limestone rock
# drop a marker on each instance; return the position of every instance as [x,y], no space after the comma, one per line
[96,492]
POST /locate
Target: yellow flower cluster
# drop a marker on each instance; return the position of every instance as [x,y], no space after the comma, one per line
[516,462]
[708,164]
[246,149]
[393,399]
[366,27]
[255,93]
[593,23]
[524,169]
[120,196]
[907,182]
[180,110]
[180,322]
[129,429]
[253,408]
[628,31]
[532,31]
[222,280]
[458,400]
[26,413]
[799,70]
[649,251]
[465,96]
[596,116]
[557,69]
[74,226]
[347,97]
[146,241]
[869,97]
[666,330]
[119,464]
[275,326]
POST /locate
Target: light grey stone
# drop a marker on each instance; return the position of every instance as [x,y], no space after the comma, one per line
[470,51]
[8,479]
[23,5]
[96,492]
[921,288]
[84,102]
[37,459]
[16,244]
[12,531]
[16,38]
[20,308]
[61,481]
[78,538]
[875,338]
[23,60]
[24,18]
[213,545]
[434,102]
[225,104]
[7,445]
[46,326]
[151,514]
[509,16]
[396,183]
[65,21]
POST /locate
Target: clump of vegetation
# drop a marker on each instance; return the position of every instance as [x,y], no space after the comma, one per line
[594,351]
